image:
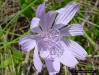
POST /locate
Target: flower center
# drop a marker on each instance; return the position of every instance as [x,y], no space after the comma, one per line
[51,36]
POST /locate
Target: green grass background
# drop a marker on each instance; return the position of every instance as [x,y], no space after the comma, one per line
[15,17]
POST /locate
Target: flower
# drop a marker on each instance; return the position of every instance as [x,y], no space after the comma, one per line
[50,45]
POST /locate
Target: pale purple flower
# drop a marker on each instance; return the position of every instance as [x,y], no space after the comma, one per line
[50,45]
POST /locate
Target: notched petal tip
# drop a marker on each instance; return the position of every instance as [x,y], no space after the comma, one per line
[67,58]
[66,14]
[35,25]
[73,66]
[27,42]
[76,50]
[72,30]
[53,66]
[84,56]
[40,10]
[75,3]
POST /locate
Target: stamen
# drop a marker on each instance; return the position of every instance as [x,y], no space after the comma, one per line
[51,35]
[52,38]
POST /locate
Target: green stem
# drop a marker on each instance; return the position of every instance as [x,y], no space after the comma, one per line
[89,22]
[13,41]
[15,17]
[90,40]
[66,70]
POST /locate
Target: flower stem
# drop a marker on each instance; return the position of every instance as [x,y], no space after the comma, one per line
[90,40]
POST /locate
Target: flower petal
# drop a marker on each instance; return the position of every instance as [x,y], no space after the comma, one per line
[67,58]
[53,66]
[72,30]
[52,15]
[42,45]
[40,10]
[37,62]
[44,54]
[27,42]
[48,20]
[43,48]
[75,49]
[35,25]
[66,14]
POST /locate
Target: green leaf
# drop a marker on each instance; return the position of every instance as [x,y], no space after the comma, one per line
[27,1]
[16,16]
[89,67]
[21,1]
[17,56]
[5,63]
[89,49]
[96,32]
[29,12]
